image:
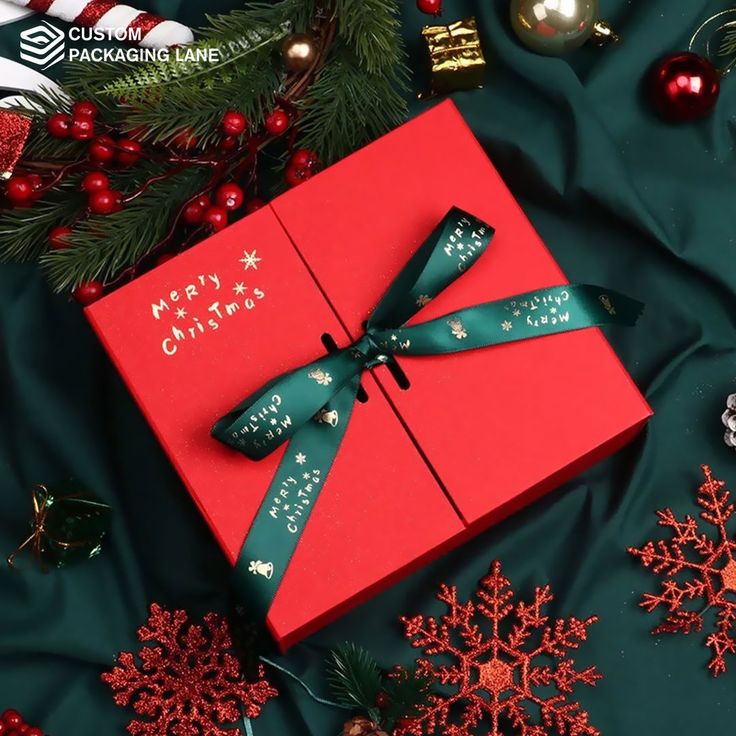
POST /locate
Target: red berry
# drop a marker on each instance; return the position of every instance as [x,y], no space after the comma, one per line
[234,122]
[295,175]
[59,125]
[36,181]
[184,139]
[228,143]
[382,699]
[102,149]
[255,204]
[88,292]
[12,718]
[95,181]
[204,201]
[430,7]
[230,196]
[23,729]
[84,108]
[19,189]
[83,128]
[34,732]
[105,201]
[193,213]
[128,152]
[303,157]
[276,122]
[58,237]
[216,218]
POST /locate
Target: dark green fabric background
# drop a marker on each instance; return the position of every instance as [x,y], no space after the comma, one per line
[621,199]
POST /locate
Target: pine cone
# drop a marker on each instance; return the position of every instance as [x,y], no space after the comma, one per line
[360,726]
[729,421]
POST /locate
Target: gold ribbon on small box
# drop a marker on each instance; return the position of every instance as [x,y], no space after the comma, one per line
[455,56]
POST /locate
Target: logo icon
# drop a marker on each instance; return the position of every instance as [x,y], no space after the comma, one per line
[42,45]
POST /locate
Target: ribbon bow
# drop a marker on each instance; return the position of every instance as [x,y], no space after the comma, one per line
[310,407]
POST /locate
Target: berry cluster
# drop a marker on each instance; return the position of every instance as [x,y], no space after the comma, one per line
[12,724]
[106,152]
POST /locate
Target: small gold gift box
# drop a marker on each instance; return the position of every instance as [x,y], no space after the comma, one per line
[455,56]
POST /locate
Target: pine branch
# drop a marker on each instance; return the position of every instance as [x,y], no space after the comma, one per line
[406,692]
[372,29]
[103,246]
[355,678]
[348,107]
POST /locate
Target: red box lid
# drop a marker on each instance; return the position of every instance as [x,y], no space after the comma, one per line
[255,301]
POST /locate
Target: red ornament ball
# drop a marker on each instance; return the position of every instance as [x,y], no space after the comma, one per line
[58,237]
[102,149]
[255,204]
[684,86]
[430,7]
[229,196]
[84,108]
[128,152]
[276,122]
[59,125]
[83,128]
[295,175]
[12,718]
[234,122]
[304,157]
[216,218]
[88,292]
[105,202]
[95,181]
[19,189]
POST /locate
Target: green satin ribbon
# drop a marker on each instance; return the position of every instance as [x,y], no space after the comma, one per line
[310,407]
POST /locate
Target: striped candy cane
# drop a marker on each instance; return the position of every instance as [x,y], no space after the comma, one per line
[155,32]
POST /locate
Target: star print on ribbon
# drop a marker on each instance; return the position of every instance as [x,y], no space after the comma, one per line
[312,405]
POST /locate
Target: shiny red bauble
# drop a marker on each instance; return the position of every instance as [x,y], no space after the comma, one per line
[229,196]
[216,218]
[83,128]
[304,157]
[255,204]
[234,122]
[684,86]
[58,237]
[88,292]
[295,175]
[430,7]
[102,149]
[193,213]
[95,181]
[84,107]
[276,122]
[105,202]
[128,152]
[19,189]
[59,125]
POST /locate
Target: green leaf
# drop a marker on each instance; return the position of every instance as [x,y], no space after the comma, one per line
[406,692]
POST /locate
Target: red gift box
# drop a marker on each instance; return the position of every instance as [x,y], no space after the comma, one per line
[196,335]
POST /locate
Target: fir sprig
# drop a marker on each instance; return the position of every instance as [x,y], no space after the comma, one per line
[357,682]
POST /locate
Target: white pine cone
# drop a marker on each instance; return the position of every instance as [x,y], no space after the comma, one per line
[360,726]
[729,421]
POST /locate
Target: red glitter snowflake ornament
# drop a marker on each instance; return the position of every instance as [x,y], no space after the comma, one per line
[697,570]
[502,663]
[190,684]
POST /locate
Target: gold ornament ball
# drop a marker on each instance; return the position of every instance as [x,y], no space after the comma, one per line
[298,52]
[553,27]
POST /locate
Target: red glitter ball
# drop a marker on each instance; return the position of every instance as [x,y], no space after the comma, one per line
[697,570]
[188,682]
[14,130]
[503,674]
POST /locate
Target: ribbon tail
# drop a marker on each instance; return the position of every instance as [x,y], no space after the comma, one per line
[288,504]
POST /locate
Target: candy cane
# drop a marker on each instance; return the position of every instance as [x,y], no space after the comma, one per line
[155,32]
